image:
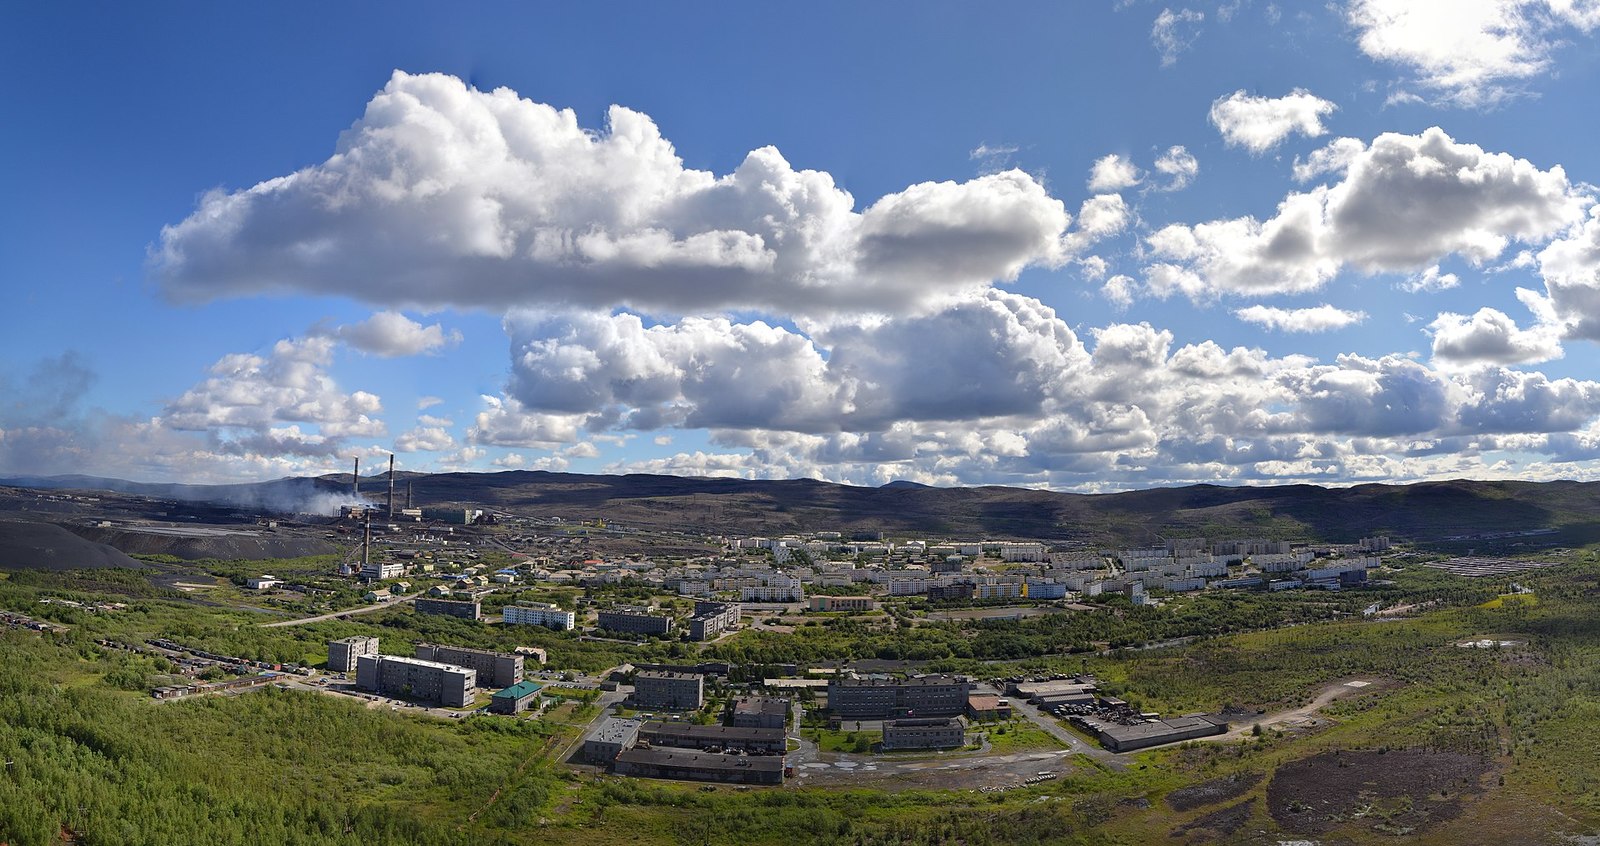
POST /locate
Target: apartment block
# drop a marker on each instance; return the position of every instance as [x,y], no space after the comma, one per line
[539,614]
[342,654]
[668,690]
[431,681]
[494,669]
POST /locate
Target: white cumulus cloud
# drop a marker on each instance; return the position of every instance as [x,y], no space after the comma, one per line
[1260,123]
[391,334]
[445,195]
[1111,173]
[1405,202]
[1320,318]
[1470,53]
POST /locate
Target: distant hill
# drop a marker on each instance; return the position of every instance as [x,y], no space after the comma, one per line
[1423,511]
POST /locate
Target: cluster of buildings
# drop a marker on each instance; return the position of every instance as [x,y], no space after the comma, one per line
[748,749]
[1112,721]
[442,675]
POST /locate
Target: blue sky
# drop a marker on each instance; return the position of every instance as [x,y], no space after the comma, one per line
[1082,246]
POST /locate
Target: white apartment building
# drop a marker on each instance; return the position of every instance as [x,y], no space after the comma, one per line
[538,614]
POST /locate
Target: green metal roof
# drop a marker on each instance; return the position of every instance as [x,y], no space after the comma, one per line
[518,690]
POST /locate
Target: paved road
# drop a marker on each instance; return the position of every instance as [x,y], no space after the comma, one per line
[364,609]
[1075,744]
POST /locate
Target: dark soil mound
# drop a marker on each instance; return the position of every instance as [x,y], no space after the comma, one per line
[1393,792]
[1213,791]
[46,546]
[1222,823]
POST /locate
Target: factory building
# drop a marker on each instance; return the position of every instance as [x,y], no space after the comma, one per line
[761,712]
[609,739]
[378,571]
[494,669]
[880,699]
[539,614]
[414,678]
[466,610]
[634,620]
[671,691]
[342,654]
[691,736]
[514,699]
[924,733]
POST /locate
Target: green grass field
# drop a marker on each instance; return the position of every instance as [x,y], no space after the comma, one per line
[92,752]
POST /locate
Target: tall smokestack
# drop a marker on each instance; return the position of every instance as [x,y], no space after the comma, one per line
[409,506]
[355,480]
[391,486]
[366,542]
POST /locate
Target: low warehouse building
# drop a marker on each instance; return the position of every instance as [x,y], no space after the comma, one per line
[514,699]
[1119,738]
[981,707]
[691,736]
[761,712]
[610,739]
[931,733]
[699,766]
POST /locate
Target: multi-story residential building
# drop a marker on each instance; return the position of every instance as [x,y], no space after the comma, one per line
[877,699]
[1021,552]
[1045,589]
[711,619]
[1007,590]
[494,669]
[538,614]
[779,588]
[466,610]
[342,654]
[908,587]
[956,590]
[671,691]
[431,681]
[634,620]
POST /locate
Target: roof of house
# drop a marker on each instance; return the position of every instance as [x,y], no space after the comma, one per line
[518,690]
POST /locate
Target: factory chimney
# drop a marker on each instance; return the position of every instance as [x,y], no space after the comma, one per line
[391,486]
[409,506]
[355,480]
[366,542]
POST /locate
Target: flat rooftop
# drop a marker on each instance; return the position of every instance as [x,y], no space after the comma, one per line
[733,733]
[615,730]
[924,681]
[420,662]
[761,705]
[692,760]
[1172,725]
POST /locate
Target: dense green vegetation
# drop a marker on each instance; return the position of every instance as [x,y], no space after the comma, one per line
[93,755]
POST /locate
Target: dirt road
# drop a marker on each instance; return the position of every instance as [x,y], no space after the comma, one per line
[1305,714]
[365,609]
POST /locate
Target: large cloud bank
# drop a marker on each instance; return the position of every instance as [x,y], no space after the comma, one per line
[810,338]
